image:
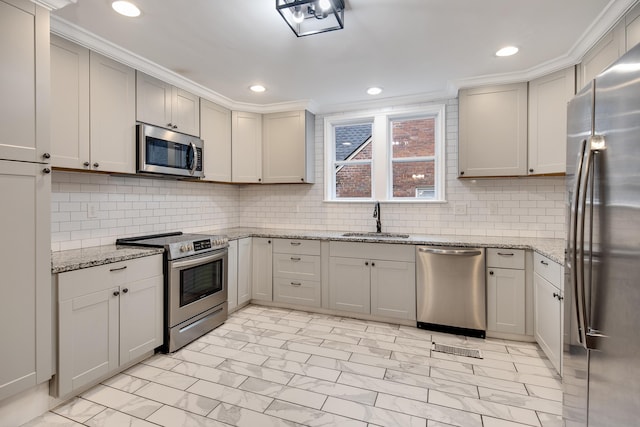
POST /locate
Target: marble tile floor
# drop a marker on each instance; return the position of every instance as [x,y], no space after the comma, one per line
[276,367]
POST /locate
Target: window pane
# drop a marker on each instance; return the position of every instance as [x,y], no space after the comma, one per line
[414,179]
[353,181]
[353,142]
[413,138]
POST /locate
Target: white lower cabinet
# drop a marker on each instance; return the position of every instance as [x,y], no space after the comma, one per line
[244,270]
[262,271]
[232,277]
[379,281]
[109,316]
[506,304]
[549,308]
[296,272]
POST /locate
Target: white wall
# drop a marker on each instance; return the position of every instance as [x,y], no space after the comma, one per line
[525,207]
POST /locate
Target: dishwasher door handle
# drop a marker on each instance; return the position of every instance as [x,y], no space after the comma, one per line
[461,252]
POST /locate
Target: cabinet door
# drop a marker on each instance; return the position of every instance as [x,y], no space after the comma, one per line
[215,130]
[88,339]
[246,142]
[244,270]
[262,283]
[506,301]
[604,53]
[141,321]
[113,115]
[69,104]
[24,49]
[232,279]
[349,284]
[25,266]
[393,289]
[283,147]
[632,28]
[185,112]
[153,101]
[493,131]
[548,98]
[548,319]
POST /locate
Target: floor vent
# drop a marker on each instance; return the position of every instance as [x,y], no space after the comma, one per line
[457,351]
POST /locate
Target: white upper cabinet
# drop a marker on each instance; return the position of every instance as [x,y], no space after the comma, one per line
[603,54]
[69,104]
[215,131]
[24,48]
[288,147]
[548,98]
[246,142]
[113,115]
[161,104]
[493,131]
[632,28]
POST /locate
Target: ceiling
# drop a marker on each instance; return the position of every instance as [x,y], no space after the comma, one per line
[414,49]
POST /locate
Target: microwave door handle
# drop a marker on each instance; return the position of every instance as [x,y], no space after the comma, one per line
[194,165]
[574,218]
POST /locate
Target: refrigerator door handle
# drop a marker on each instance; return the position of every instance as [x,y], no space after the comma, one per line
[576,276]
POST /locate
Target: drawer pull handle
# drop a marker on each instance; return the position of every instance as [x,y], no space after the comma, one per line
[296,284]
[118,269]
[296,243]
[543,262]
[116,293]
[293,258]
[505,253]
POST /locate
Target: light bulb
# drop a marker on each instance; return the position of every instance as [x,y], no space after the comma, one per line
[126,8]
[507,51]
[324,4]
[298,16]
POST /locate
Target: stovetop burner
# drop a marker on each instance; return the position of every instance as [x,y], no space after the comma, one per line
[178,245]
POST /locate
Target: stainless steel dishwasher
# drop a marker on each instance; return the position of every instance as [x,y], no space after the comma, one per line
[451,290]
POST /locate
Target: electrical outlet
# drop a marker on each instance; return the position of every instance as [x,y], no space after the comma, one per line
[493,208]
[92,210]
[460,209]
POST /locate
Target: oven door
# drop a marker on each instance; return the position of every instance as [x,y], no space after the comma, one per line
[196,284]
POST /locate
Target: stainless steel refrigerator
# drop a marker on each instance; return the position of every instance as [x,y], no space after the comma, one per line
[601,354]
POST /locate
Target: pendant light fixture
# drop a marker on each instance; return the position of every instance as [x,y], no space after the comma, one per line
[307,17]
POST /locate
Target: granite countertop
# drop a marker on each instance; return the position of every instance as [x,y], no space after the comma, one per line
[551,248]
[75,259]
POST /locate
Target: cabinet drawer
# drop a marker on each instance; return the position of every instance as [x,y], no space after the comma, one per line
[298,292]
[505,258]
[296,246]
[550,270]
[384,251]
[299,267]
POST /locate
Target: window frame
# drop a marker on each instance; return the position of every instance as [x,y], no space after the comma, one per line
[382,155]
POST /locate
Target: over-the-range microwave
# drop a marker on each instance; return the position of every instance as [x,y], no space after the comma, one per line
[166,152]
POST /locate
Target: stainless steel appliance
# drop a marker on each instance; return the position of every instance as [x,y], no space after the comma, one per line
[162,151]
[195,283]
[451,290]
[601,354]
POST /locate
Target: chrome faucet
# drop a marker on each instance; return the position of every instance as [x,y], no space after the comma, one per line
[378,216]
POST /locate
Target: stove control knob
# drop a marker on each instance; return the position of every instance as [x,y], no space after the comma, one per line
[183,248]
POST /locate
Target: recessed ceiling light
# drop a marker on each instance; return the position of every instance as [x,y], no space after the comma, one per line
[126,8]
[258,88]
[507,51]
[374,91]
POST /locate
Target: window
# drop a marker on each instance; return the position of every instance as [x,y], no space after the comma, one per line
[397,156]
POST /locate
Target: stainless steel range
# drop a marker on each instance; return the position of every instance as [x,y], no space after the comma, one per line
[195,272]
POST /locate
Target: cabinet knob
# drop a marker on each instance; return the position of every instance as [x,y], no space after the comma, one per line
[461,172]
[302,179]
[373,264]
[491,273]
[366,263]
[46,156]
[125,290]
[269,241]
[116,293]
[259,179]
[46,170]
[86,164]
[530,170]
[96,164]
[175,126]
[169,125]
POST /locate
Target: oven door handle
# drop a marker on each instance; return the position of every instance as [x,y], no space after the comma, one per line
[197,261]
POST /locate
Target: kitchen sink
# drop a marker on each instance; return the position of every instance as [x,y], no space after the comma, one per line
[375,235]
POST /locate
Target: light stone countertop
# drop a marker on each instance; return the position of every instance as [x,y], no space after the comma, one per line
[76,259]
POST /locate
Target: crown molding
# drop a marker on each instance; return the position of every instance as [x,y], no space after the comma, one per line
[53,4]
[606,20]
